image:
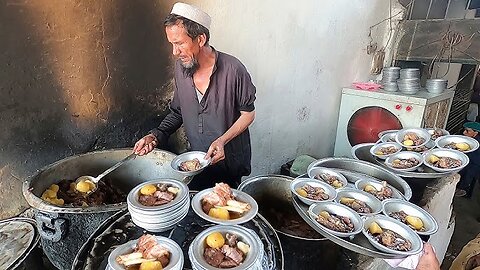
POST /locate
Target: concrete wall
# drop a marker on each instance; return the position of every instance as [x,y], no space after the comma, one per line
[77,76]
[299,54]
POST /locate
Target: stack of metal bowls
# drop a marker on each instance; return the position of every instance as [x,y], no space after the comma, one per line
[176,255]
[436,86]
[253,259]
[409,82]
[390,76]
[162,217]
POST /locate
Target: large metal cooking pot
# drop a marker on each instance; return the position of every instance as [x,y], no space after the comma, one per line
[64,229]
[273,192]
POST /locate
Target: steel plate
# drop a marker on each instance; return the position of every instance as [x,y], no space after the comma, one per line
[362,152]
[355,170]
[359,243]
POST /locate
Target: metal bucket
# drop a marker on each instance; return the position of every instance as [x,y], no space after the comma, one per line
[63,230]
[272,192]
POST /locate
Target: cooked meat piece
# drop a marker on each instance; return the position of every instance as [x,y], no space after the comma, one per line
[164,260]
[219,196]
[447,163]
[162,187]
[214,199]
[147,200]
[358,206]
[233,253]
[159,197]
[164,195]
[315,193]
[155,252]
[336,223]
[413,137]
[223,190]
[384,193]
[160,202]
[332,180]
[436,133]
[206,206]
[419,141]
[228,263]
[190,165]
[400,215]
[405,163]
[232,239]
[213,256]
[419,149]
[393,240]
[145,242]
[388,150]
[106,193]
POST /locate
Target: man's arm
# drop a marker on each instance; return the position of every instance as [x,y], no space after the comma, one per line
[160,134]
[216,150]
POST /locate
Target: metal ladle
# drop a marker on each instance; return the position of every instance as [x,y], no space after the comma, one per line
[93,181]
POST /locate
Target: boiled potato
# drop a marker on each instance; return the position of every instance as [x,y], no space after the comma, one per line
[219,213]
[83,186]
[301,192]
[462,146]
[408,142]
[50,194]
[58,202]
[433,159]
[325,214]
[153,265]
[54,188]
[374,228]
[415,222]
[369,188]
[215,240]
[337,184]
[347,200]
[148,189]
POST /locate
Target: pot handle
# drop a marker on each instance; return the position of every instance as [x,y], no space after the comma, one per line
[51,227]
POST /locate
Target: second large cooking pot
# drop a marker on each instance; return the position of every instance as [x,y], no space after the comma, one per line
[64,229]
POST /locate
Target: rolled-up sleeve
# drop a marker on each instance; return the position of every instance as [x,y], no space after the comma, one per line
[245,91]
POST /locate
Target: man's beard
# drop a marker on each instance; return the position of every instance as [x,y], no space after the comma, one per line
[190,68]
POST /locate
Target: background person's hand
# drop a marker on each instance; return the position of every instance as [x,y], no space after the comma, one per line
[428,260]
[216,151]
[145,145]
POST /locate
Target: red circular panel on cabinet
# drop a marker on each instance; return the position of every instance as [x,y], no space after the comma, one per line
[367,122]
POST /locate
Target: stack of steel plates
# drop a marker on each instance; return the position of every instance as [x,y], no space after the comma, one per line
[436,86]
[409,82]
[390,76]
[164,216]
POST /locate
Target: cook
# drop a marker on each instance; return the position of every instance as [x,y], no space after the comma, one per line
[214,100]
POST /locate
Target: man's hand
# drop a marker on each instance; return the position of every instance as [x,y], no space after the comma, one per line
[216,151]
[145,145]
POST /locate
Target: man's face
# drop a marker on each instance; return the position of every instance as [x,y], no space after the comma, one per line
[470,132]
[184,48]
